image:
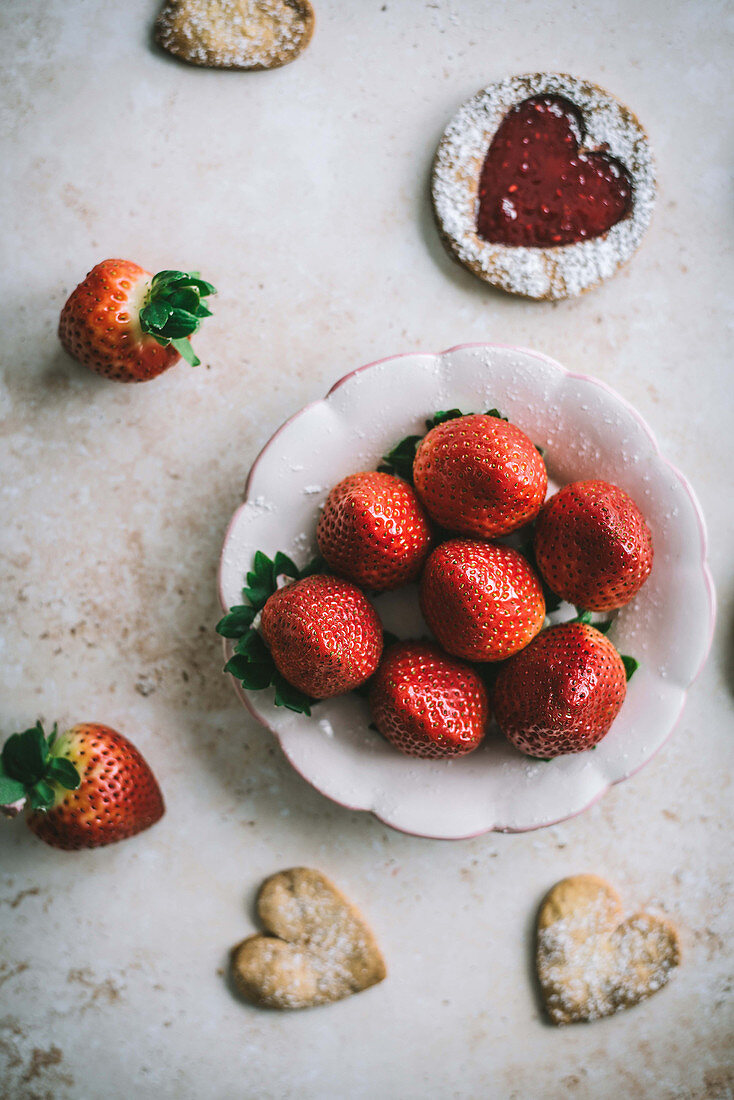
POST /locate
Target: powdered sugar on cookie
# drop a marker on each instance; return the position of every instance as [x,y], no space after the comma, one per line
[590,962]
[318,948]
[235,34]
[549,272]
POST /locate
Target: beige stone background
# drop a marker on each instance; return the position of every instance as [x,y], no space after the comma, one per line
[302,195]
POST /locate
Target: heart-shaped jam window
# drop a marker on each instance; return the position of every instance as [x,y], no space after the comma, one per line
[316,947]
[591,962]
[539,188]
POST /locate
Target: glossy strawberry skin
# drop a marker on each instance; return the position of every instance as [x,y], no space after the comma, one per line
[118,796]
[427,703]
[562,693]
[593,546]
[374,531]
[479,475]
[99,324]
[324,635]
[482,601]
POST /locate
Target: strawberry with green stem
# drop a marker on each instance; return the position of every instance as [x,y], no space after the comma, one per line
[313,638]
[129,325]
[85,788]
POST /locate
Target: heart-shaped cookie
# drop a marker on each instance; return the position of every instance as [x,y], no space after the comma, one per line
[316,947]
[235,34]
[591,962]
[543,185]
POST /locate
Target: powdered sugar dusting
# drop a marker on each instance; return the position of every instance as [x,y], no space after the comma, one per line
[235,34]
[320,951]
[590,963]
[565,270]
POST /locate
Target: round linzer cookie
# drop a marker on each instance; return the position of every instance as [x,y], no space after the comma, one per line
[235,34]
[543,185]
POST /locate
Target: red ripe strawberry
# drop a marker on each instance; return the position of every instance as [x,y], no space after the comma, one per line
[427,703]
[483,602]
[374,530]
[88,787]
[479,475]
[324,635]
[593,546]
[562,693]
[129,325]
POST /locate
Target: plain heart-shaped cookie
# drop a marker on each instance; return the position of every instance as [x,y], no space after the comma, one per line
[316,947]
[591,962]
[235,34]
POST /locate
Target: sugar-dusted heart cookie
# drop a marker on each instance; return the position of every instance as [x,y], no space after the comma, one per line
[235,34]
[591,962]
[316,947]
[543,185]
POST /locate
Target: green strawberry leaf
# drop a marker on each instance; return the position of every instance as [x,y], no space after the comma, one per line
[186,298]
[631,664]
[286,695]
[284,567]
[582,617]
[388,638]
[41,796]
[441,417]
[62,771]
[253,675]
[400,459]
[497,414]
[253,647]
[11,790]
[605,627]
[24,755]
[236,622]
[541,759]
[185,350]
[155,315]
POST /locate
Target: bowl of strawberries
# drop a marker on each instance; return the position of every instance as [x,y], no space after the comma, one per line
[442,579]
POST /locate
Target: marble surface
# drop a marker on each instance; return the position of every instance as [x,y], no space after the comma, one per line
[302,195]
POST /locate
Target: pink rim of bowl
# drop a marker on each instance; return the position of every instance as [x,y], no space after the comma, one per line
[586,430]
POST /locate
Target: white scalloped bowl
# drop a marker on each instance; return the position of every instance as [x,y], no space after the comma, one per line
[587,431]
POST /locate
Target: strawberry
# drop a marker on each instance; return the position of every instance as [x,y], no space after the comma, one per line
[479,475]
[374,531]
[562,692]
[324,635]
[129,325]
[483,602]
[86,788]
[317,637]
[427,703]
[593,546]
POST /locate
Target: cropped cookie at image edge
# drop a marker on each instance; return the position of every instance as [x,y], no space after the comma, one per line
[235,34]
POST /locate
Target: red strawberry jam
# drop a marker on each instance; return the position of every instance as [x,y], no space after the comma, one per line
[538,189]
